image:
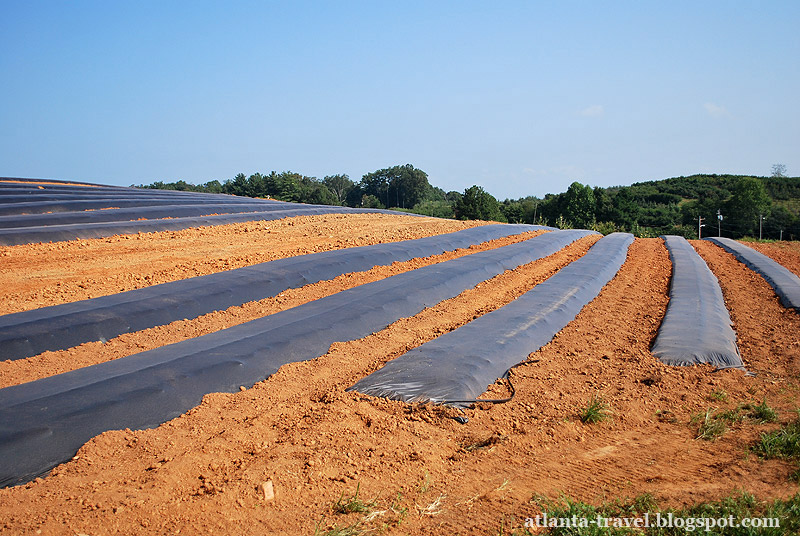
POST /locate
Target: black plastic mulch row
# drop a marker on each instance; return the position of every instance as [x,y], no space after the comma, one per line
[785,283]
[46,204]
[697,327]
[148,212]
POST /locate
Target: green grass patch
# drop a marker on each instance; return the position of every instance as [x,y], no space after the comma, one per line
[720,395]
[711,425]
[350,530]
[783,443]
[596,410]
[352,504]
[761,413]
[756,240]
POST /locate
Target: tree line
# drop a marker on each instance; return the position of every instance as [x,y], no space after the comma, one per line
[403,187]
[677,205]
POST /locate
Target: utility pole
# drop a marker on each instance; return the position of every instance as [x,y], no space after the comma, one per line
[719,223]
[700,225]
[760,222]
[781,235]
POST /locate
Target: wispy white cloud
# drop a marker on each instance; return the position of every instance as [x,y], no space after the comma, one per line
[595,110]
[715,110]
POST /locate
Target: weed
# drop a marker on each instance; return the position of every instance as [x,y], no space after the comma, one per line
[425,483]
[352,504]
[372,519]
[719,395]
[349,530]
[761,413]
[730,416]
[595,411]
[397,509]
[711,426]
[782,443]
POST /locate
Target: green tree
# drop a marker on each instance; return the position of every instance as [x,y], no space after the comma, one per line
[398,186]
[748,202]
[478,204]
[370,201]
[237,186]
[579,205]
[511,210]
[212,187]
[626,210]
[317,193]
[339,185]
[289,187]
[354,196]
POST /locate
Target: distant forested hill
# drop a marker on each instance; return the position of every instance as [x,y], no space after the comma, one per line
[673,206]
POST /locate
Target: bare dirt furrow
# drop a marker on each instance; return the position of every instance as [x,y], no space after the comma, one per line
[38,275]
[312,439]
[51,363]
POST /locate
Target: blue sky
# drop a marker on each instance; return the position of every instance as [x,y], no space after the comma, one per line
[521,98]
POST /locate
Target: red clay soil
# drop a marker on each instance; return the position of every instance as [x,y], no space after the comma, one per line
[785,253]
[424,472]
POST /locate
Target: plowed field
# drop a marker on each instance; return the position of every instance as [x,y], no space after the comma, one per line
[425,472]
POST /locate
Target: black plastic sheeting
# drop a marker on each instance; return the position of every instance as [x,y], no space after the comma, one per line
[58,327]
[455,368]
[697,327]
[785,283]
[53,213]
[22,205]
[38,180]
[50,182]
[60,233]
[132,214]
[12,189]
[43,423]
[29,193]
